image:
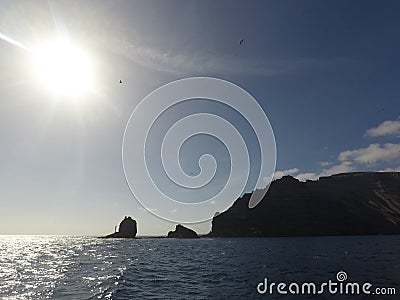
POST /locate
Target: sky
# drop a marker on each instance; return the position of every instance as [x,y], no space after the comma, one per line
[325,73]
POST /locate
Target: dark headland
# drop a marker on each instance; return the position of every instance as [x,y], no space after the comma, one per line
[364,203]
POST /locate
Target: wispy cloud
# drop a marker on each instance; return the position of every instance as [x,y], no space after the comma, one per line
[201,61]
[386,128]
[148,209]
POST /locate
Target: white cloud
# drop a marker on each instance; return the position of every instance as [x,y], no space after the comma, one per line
[344,167]
[384,129]
[280,174]
[391,169]
[307,176]
[372,154]
[351,160]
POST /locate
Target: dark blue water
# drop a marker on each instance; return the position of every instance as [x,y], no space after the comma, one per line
[60,267]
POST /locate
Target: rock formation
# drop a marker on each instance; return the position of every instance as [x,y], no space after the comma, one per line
[181,232]
[343,204]
[127,229]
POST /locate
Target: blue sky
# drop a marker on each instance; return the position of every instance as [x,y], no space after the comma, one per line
[325,73]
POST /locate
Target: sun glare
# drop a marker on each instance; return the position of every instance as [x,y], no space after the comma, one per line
[63,68]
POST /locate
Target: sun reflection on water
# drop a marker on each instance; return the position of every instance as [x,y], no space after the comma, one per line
[42,267]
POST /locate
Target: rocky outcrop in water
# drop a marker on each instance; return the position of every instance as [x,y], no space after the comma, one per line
[181,232]
[127,229]
[365,203]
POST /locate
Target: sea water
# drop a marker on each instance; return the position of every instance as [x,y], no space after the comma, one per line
[66,267]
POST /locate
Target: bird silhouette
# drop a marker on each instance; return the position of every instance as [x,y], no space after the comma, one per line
[120,81]
[241,42]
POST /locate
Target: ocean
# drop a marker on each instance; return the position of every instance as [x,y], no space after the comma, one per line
[66,267]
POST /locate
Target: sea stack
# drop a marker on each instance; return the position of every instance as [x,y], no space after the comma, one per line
[127,229]
[181,232]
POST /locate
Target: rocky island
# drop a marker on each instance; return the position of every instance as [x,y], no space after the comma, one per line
[181,232]
[127,229]
[362,203]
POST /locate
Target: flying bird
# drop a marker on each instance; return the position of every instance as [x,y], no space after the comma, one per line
[120,81]
[241,42]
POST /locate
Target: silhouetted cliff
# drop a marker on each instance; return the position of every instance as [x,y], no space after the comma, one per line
[181,232]
[342,204]
[127,229]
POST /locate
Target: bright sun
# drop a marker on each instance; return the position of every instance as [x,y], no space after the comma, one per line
[63,68]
